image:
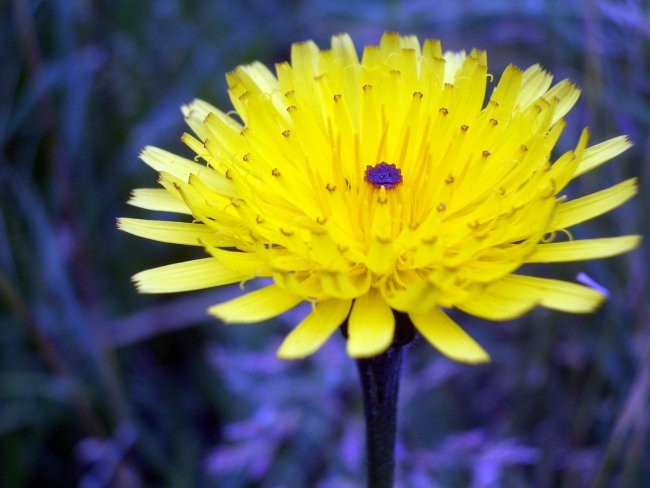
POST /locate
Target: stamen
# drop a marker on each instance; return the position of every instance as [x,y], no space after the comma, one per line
[383,174]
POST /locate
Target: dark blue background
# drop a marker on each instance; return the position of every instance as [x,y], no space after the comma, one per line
[100,386]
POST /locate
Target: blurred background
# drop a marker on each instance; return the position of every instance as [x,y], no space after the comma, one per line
[102,387]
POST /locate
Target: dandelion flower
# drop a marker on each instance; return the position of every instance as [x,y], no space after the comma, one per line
[378,185]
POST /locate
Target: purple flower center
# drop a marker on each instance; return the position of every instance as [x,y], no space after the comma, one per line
[383,174]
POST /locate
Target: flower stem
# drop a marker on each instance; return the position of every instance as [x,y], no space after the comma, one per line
[380,384]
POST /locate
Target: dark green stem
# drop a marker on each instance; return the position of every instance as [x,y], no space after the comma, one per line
[380,384]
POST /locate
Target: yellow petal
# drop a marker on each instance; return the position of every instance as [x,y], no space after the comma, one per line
[256,306]
[173,232]
[500,300]
[200,107]
[371,326]
[555,294]
[305,285]
[158,199]
[390,43]
[596,155]
[186,276]
[469,86]
[304,61]
[255,76]
[507,91]
[534,83]
[204,206]
[453,62]
[162,160]
[343,48]
[381,257]
[566,94]
[585,208]
[341,285]
[313,331]
[225,132]
[419,297]
[446,336]
[557,252]
[182,168]
[247,263]
[280,259]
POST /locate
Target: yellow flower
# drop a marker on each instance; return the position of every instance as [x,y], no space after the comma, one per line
[383,184]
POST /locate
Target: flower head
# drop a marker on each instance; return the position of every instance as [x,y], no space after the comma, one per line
[377,185]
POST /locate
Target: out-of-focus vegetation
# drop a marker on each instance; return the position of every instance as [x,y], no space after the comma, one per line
[102,387]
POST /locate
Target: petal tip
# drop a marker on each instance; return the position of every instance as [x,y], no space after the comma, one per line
[217,312]
[479,357]
[290,353]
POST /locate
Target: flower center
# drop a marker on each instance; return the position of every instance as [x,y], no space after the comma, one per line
[383,174]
